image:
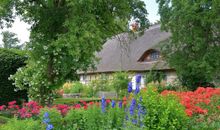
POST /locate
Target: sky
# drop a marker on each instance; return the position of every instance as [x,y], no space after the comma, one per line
[21,28]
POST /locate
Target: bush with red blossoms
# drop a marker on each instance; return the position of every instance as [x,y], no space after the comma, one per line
[32,108]
[198,101]
[63,109]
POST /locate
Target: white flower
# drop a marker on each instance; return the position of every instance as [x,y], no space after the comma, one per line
[45,47]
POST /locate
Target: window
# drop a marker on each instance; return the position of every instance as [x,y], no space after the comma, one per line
[150,55]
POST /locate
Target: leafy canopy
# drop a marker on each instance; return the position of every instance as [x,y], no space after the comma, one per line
[65,34]
[194,47]
[10,40]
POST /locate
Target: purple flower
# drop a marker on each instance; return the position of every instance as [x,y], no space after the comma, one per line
[141,99]
[138,78]
[103,104]
[49,127]
[46,120]
[137,90]
[132,106]
[46,115]
[120,104]
[113,103]
[134,121]
[129,87]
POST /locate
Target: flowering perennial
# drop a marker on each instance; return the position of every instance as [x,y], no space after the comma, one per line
[192,100]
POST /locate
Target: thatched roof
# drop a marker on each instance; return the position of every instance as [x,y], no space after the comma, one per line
[121,54]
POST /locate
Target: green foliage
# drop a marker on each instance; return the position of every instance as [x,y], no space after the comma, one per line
[163,112]
[88,91]
[54,116]
[75,119]
[194,46]
[94,119]
[120,83]
[6,14]
[74,87]
[10,40]
[154,76]
[101,84]
[27,124]
[174,86]
[3,120]
[10,61]
[77,87]
[65,35]
[71,101]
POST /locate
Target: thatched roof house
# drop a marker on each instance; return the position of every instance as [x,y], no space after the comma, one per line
[139,55]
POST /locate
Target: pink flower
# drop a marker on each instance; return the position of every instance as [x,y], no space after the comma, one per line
[11,103]
[108,101]
[2,107]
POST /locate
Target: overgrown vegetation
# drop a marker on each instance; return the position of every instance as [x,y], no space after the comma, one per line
[193,50]
[65,36]
[10,61]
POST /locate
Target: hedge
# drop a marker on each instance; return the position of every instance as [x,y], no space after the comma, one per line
[10,61]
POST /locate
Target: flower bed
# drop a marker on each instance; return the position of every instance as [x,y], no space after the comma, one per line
[199,101]
[142,109]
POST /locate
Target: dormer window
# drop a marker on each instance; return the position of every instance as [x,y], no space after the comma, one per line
[150,55]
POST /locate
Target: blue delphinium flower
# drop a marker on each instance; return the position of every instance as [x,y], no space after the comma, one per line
[129,87]
[46,115]
[46,120]
[134,121]
[137,90]
[49,127]
[132,106]
[103,104]
[113,103]
[138,78]
[120,104]
[141,112]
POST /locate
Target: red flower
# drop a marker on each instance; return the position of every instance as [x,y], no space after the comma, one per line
[91,103]
[85,107]
[77,106]
[189,112]
[124,98]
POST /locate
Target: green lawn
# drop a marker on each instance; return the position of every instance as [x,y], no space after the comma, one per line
[76,100]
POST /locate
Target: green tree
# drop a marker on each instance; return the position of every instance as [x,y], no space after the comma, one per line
[6,13]
[120,83]
[10,40]
[194,48]
[65,34]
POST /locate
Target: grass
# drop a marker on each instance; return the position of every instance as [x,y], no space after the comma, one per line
[3,120]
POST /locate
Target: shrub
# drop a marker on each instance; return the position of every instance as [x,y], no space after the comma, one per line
[154,76]
[54,115]
[100,85]
[10,61]
[163,112]
[88,91]
[120,82]
[66,87]
[75,119]
[93,118]
[76,87]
